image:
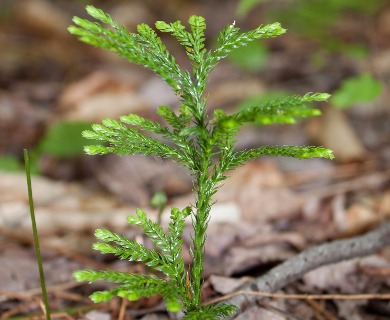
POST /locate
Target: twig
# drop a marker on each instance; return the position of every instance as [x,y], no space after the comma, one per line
[14,295]
[18,309]
[310,259]
[65,252]
[363,296]
[36,291]
[122,310]
[372,180]
[71,296]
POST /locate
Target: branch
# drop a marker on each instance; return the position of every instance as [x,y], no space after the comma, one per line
[312,258]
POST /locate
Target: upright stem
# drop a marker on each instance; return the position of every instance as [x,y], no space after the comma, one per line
[200,222]
[204,191]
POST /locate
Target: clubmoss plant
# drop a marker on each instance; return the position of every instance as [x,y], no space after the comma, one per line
[204,145]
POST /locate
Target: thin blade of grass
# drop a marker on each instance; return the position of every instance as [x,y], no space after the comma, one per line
[35,233]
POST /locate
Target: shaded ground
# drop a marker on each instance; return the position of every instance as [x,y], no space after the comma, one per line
[266,213]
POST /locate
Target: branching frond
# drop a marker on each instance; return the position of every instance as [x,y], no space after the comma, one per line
[147,289]
[215,312]
[127,248]
[133,291]
[299,152]
[179,122]
[194,44]
[282,110]
[198,26]
[177,222]
[177,30]
[135,286]
[173,296]
[114,277]
[230,38]
[144,124]
[193,41]
[169,116]
[144,48]
[124,140]
[151,229]
[175,229]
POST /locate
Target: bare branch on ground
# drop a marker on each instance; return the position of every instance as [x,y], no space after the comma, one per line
[313,258]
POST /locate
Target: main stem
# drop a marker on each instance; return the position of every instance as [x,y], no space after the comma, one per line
[200,226]
[204,192]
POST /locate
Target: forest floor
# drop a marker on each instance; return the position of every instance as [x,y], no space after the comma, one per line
[267,212]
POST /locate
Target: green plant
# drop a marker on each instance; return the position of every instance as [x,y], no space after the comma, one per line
[202,144]
[360,89]
[10,163]
[245,6]
[317,19]
[64,139]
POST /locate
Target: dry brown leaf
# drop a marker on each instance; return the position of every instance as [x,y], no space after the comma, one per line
[350,309]
[107,105]
[43,17]
[130,14]
[13,187]
[293,238]
[18,270]
[97,315]
[240,259]
[154,316]
[258,313]
[137,178]
[58,205]
[258,189]
[344,276]
[227,92]
[225,285]
[82,89]
[359,216]
[222,235]
[102,95]
[156,93]
[335,132]
[384,204]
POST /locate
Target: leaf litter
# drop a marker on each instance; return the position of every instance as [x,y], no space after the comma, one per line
[265,213]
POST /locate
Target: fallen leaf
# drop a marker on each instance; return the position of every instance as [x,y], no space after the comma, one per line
[137,178]
[343,276]
[97,315]
[154,316]
[258,313]
[335,132]
[259,191]
[101,95]
[241,259]
[225,285]
[42,17]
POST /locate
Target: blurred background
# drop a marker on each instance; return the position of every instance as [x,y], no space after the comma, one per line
[53,87]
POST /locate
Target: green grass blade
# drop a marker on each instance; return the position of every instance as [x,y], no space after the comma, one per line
[35,233]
